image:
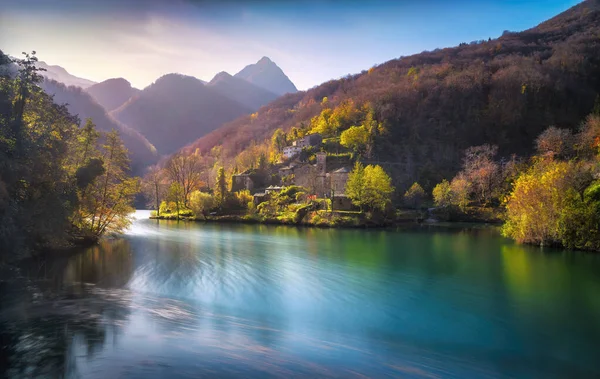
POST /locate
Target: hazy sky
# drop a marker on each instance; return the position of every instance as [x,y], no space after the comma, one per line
[312,41]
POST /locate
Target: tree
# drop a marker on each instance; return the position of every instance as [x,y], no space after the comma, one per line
[201,203]
[557,142]
[175,195]
[220,188]
[155,187]
[106,205]
[279,140]
[460,189]
[378,188]
[442,194]
[369,187]
[414,196]
[355,138]
[482,171]
[354,185]
[186,170]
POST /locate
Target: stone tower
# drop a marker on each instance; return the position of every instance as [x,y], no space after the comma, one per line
[321,163]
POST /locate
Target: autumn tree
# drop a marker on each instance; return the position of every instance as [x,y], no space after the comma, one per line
[369,187]
[106,206]
[414,196]
[279,140]
[220,187]
[155,187]
[442,194]
[185,170]
[355,138]
[480,169]
[557,142]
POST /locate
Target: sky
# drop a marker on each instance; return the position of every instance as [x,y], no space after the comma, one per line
[312,41]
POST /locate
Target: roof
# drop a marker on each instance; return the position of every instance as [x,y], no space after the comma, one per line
[342,170]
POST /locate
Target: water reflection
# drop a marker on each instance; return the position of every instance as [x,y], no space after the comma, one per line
[182,300]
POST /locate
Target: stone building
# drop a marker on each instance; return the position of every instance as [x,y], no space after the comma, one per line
[338,180]
[309,140]
[241,182]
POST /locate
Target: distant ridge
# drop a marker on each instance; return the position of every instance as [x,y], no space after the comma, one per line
[61,75]
[241,90]
[177,109]
[112,93]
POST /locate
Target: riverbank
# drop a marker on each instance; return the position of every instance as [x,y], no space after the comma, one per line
[348,219]
[320,219]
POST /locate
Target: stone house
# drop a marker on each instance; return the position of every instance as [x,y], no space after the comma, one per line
[291,151]
[241,182]
[338,180]
[310,140]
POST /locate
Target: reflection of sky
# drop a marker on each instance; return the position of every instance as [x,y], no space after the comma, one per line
[312,41]
[254,297]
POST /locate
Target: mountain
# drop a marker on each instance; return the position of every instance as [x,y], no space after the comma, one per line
[435,104]
[241,91]
[80,103]
[112,93]
[177,109]
[266,74]
[61,75]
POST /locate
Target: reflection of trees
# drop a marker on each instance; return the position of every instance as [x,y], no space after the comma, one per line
[43,339]
[108,264]
[47,340]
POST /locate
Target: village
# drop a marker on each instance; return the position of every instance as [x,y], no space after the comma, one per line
[325,178]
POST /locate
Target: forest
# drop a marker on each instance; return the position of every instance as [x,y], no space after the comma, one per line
[436,104]
[60,183]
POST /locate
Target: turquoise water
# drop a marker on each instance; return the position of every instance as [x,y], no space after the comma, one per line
[188,300]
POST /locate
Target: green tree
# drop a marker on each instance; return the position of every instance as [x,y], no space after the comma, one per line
[201,203]
[378,188]
[355,138]
[369,187]
[355,185]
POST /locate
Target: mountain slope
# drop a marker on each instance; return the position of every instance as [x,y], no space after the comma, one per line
[435,104]
[266,74]
[112,93]
[242,91]
[177,109]
[61,75]
[80,103]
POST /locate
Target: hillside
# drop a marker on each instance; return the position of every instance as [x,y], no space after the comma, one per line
[61,75]
[177,109]
[266,74]
[241,91]
[82,104]
[112,93]
[435,104]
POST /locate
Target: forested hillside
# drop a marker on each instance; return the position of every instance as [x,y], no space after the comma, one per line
[177,109]
[82,104]
[60,182]
[112,93]
[432,106]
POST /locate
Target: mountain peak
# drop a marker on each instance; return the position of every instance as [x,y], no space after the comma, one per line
[264,61]
[266,74]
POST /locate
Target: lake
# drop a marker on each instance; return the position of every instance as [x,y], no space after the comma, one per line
[190,300]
